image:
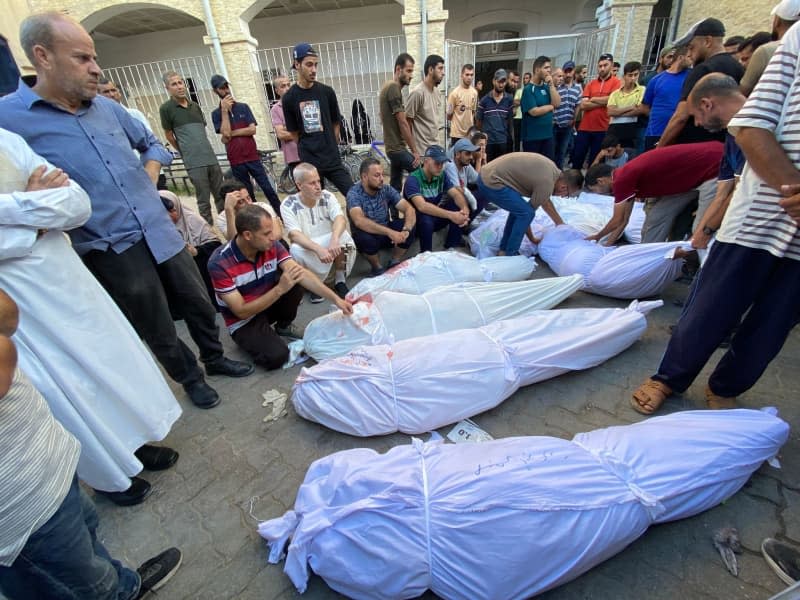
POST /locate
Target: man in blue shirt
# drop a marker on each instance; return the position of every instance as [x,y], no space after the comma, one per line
[494,116]
[129,243]
[369,205]
[437,200]
[662,95]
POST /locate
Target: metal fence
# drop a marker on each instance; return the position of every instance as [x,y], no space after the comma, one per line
[143,88]
[589,46]
[355,69]
[658,35]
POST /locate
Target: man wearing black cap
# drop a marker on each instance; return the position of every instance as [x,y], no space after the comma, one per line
[437,200]
[494,116]
[312,115]
[235,123]
[704,41]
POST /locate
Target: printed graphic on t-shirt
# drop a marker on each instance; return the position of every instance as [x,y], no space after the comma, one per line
[312,119]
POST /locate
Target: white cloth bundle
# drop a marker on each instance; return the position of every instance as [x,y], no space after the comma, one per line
[432,269]
[484,240]
[635,271]
[514,517]
[419,384]
[392,316]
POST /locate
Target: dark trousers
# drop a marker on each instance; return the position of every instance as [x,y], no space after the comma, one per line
[517,143]
[371,243]
[243,171]
[399,162]
[543,147]
[64,560]
[144,291]
[338,176]
[495,150]
[586,142]
[204,252]
[734,280]
[427,224]
[259,339]
[561,139]
[650,142]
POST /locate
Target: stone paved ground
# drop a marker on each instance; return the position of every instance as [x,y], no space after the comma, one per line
[231,460]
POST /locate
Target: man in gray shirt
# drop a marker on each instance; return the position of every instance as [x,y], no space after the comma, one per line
[185,128]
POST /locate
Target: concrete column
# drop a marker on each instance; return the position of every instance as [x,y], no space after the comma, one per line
[412,27]
[633,21]
[238,52]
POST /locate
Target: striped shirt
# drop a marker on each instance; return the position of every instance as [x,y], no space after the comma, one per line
[37,464]
[570,96]
[754,219]
[230,270]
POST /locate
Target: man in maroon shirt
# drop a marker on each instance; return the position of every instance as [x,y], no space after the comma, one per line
[672,177]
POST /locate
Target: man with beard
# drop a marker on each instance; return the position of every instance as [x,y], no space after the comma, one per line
[494,116]
[312,115]
[235,123]
[424,105]
[398,138]
[594,123]
[784,15]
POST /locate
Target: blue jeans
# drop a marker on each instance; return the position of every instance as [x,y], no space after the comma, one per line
[427,224]
[561,137]
[520,215]
[243,171]
[63,559]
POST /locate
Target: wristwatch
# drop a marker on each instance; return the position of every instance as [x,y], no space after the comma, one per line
[708,231]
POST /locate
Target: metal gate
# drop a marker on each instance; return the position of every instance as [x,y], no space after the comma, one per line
[143,88]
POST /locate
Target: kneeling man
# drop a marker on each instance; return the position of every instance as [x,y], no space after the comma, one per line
[255,280]
[318,230]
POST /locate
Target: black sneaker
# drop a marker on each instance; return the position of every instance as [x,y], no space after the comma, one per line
[231,368]
[289,331]
[375,271]
[783,558]
[341,289]
[202,394]
[314,298]
[158,570]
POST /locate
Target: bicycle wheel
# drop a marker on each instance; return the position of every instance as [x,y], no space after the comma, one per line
[286,183]
[352,163]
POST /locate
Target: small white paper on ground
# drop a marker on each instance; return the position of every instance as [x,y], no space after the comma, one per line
[277,401]
[467,431]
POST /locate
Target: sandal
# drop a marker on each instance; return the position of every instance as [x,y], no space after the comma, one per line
[649,396]
[715,402]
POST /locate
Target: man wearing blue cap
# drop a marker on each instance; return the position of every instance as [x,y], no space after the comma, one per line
[437,200]
[311,111]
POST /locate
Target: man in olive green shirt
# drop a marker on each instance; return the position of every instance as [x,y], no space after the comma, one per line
[398,140]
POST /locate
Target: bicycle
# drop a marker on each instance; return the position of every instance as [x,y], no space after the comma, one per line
[285,182]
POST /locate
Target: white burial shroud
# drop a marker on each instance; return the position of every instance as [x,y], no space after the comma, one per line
[423,383]
[431,269]
[385,319]
[513,517]
[626,272]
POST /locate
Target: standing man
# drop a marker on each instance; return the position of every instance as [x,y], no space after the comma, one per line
[437,200]
[581,73]
[259,284]
[569,91]
[288,144]
[785,14]
[753,269]
[512,86]
[594,122]
[401,149]
[424,106]
[235,123]
[494,116]
[517,146]
[312,115]
[369,203]
[665,60]
[506,180]
[185,127]
[539,100]
[662,96]
[129,242]
[625,106]
[462,104]
[317,230]
[109,89]
[705,50]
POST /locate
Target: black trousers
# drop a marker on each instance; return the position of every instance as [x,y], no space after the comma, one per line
[338,176]
[399,162]
[143,290]
[259,339]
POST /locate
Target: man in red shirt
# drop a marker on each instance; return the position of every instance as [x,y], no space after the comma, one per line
[672,177]
[594,123]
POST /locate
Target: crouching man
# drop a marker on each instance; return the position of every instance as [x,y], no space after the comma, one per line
[369,204]
[256,282]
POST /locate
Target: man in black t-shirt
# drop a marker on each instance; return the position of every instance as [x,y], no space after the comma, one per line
[706,50]
[311,111]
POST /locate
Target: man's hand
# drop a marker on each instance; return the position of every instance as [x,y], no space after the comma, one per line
[398,237]
[39,181]
[592,238]
[335,247]
[192,250]
[344,306]
[324,254]
[791,201]
[416,162]
[227,103]
[232,199]
[458,217]
[289,277]
[699,239]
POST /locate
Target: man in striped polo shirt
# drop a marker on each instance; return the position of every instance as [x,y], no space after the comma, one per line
[754,267]
[255,280]
[564,115]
